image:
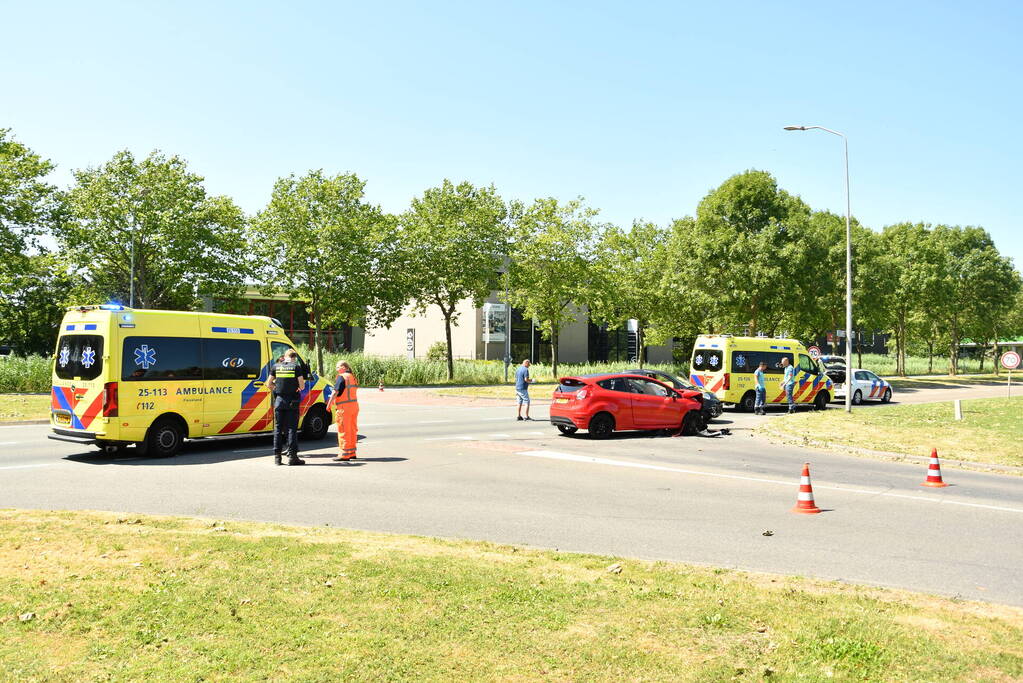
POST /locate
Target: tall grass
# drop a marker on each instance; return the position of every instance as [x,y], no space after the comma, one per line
[25,375]
[32,374]
[395,371]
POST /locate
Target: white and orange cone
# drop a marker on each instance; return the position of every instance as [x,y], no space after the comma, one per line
[804,502]
[934,472]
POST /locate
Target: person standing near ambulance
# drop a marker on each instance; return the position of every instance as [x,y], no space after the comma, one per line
[346,411]
[285,384]
[788,382]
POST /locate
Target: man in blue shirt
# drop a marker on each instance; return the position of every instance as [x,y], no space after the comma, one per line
[522,381]
[788,382]
[758,403]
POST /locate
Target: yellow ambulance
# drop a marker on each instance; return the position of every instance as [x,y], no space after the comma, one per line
[724,365]
[126,376]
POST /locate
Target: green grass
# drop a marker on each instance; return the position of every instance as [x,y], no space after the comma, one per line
[991,430]
[15,407]
[31,374]
[168,599]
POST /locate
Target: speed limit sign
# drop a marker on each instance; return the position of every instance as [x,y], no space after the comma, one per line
[814,352]
[1010,360]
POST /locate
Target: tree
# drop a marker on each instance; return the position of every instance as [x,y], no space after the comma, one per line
[910,259]
[627,282]
[318,241]
[30,313]
[29,208]
[745,249]
[550,263]
[970,283]
[454,241]
[155,214]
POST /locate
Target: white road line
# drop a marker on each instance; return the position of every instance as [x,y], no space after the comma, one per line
[554,455]
[500,436]
[22,467]
[495,419]
[11,443]
[433,422]
[452,438]
[540,433]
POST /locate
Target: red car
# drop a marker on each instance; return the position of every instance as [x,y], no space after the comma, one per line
[606,403]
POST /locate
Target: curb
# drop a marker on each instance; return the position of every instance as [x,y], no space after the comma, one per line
[12,423]
[890,455]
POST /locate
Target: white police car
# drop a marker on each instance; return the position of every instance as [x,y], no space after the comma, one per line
[866,386]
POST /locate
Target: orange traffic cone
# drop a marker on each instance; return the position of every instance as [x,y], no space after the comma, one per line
[804,502]
[934,472]
[381,386]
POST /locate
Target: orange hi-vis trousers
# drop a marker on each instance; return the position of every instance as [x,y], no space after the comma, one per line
[346,410]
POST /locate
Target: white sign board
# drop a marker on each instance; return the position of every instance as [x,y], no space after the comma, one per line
[495,322]
[410,343]
[814,352]
[1010,360]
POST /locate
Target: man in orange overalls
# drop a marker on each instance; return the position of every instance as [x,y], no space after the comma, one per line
[346,411]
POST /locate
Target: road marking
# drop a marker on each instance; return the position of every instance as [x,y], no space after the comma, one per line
[554,455]
[452,438]
[21,467]
[11,443]
[433,422]
[494,419]
[500,436]
[540,433]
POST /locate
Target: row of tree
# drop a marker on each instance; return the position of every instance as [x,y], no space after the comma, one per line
[753,259]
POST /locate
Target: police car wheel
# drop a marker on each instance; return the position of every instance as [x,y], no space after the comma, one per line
[857,397]
[164,439]
[316,424]
[887,396]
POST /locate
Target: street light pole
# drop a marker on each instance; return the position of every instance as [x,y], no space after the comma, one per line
[848,266]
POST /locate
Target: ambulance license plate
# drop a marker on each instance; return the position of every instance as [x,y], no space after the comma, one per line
[63,418]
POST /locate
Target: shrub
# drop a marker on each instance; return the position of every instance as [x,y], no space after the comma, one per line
[25,375]
[437,351]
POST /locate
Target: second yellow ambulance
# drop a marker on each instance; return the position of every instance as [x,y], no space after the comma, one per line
[724,365]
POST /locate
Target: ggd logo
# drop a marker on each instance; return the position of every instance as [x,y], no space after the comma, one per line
[233,362]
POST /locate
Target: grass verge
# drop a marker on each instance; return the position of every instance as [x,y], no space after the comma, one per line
[991,430]
[15,407]
[88,596]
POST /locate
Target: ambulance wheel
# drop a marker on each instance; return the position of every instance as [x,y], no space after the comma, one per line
[821,400]
[857,397]
[602,426]
[748,400]
[316,424]
[164,438]
[887,398]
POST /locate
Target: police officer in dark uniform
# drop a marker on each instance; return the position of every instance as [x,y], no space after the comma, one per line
[286,381]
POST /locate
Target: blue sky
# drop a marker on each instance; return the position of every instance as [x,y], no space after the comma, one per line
[639,107]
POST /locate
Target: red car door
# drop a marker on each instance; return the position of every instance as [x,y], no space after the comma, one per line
[653,405]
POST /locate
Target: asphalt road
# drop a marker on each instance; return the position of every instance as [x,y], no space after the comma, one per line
[472,471]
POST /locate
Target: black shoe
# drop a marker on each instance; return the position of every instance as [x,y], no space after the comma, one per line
[519,418]
[277,458]
[528,418]
[296,461]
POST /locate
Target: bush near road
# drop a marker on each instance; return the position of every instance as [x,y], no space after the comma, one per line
[32,374]
[991,430]
[17,407]
[89,596]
